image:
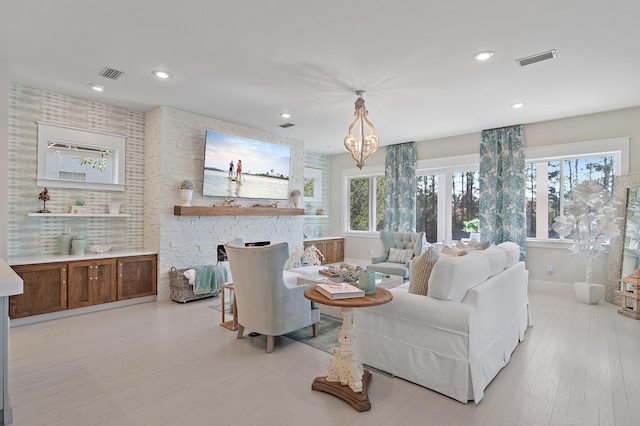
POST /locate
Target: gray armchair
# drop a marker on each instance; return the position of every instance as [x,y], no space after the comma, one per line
[400,241]
[265,303]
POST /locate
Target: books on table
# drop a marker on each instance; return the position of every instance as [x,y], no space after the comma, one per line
[339,290]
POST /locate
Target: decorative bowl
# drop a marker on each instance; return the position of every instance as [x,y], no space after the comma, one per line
[349,275]
[100,248]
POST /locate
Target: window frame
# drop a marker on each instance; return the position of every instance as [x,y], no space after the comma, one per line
[347,174]
[618,147]
[444,168]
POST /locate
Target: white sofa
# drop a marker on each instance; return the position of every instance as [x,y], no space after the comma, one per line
[455,339]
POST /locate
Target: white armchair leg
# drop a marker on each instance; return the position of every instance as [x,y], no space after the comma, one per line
[270,340]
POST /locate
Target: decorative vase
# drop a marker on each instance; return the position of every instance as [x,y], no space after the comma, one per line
[367,282]
[186,195]
[296,200]
[64,243]
[591,294]
[78,245]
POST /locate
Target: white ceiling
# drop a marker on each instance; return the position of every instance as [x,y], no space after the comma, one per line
[246,61]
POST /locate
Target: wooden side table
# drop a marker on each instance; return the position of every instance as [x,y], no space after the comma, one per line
[346,379]
[231,324]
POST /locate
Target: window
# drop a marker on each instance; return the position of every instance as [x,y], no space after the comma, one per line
[312,184]
[365,200]
[447,194]
[552,172]
[447,189]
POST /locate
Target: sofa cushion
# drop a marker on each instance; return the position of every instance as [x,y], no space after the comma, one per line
[497,258]
[400,256]
[421,271]
[452,276]
[513,252]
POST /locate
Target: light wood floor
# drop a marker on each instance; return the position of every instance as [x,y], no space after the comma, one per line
[172,364]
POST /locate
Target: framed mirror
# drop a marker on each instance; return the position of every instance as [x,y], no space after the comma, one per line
[623,255]
[77,158]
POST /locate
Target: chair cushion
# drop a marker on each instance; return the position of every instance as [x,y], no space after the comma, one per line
[390,268]
[421,271]
[452,276]
[400,256]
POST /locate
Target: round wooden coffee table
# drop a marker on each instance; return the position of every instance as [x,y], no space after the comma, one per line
[345,377]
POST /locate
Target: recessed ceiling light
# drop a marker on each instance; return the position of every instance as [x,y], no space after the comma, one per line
[483,56]
[285,115]
[162,74]
[97,87]
[517,105]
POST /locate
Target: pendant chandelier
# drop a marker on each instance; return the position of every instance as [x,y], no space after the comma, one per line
[360,146]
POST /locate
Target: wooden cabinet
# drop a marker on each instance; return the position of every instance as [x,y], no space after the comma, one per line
[137,276]
[45,290]
[331,248]
[91,282]
[57,286]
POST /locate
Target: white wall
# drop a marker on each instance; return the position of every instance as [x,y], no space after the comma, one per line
[174,152]
[604,125]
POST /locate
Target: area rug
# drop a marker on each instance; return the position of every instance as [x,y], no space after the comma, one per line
[326,340]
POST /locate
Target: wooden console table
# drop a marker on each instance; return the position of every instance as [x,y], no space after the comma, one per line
[346,379]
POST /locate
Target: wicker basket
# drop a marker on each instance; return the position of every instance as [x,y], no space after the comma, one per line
[181,290]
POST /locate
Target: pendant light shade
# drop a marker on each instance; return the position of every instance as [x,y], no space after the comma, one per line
[364,142]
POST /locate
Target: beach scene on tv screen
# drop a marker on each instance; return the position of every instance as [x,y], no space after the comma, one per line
[236,167]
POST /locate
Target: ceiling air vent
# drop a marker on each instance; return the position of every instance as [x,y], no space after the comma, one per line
[538,57]
[111,73]
[286,125]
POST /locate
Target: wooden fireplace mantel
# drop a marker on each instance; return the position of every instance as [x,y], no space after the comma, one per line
[235,211]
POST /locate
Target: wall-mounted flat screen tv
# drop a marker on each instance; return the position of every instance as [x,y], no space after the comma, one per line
[238,167]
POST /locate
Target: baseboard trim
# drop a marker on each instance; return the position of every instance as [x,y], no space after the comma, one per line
[79,311]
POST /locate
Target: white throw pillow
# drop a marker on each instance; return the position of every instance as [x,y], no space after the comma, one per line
[400,256]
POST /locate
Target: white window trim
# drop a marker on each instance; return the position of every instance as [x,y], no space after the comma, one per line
[601,147]
[356,173]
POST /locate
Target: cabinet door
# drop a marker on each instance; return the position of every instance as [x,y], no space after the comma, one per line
[137,276]
[45,290]
[92,282]
[329,252]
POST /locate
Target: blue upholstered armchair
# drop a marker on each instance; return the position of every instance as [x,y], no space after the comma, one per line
[398,251]
[265,303]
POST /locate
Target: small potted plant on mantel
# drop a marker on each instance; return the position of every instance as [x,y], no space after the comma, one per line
[590,221]
[186,192]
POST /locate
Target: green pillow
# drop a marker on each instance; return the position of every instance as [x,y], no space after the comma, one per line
[421,271]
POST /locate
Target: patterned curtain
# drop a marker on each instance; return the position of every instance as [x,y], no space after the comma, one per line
[400,188]
[502,187]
